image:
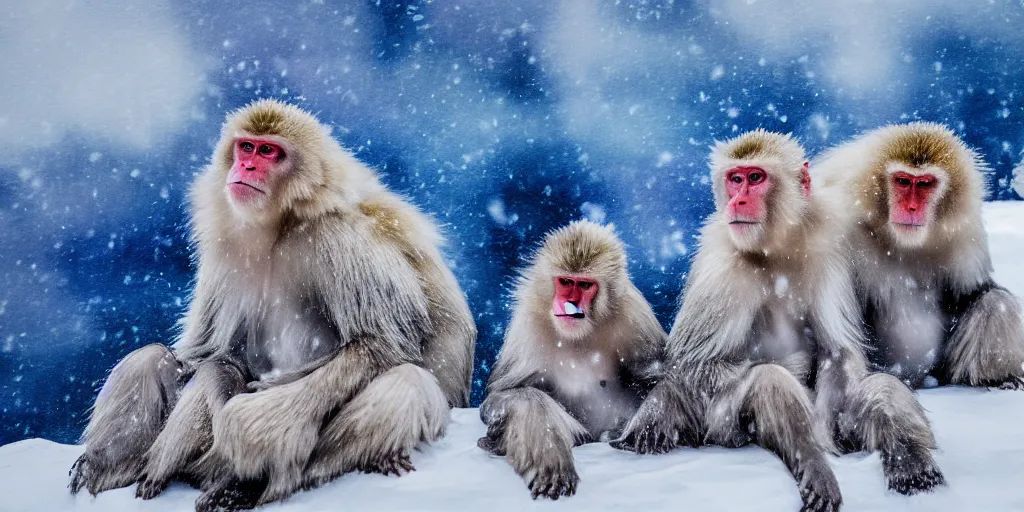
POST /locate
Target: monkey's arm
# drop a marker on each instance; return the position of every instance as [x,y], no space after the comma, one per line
[271,434]
[448,350]
[448,354]
[525,423]
[701,358]
[306,369]
[642,358]
[871,411]
[986,345]
[537,435]
[841,364]
[209,331]
[372,296]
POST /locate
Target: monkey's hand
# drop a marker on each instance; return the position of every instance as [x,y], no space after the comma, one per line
[150,488]
[910,471]
[647,434]
[552,480]
[230,495]
[260,385]
[80,474]
[1011,382]
[818,487]
[660,424]
[397,464]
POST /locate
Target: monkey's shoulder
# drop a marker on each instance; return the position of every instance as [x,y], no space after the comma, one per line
[393,220]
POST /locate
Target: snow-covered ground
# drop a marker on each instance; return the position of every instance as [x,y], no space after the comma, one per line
[980,435]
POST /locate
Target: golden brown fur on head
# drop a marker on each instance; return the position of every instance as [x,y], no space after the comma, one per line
[318,175]
[582,248]
[782,157]
[920,148]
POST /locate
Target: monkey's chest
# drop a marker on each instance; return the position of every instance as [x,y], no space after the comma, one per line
[590,387]
[780,335]
[287,337]
[908,327]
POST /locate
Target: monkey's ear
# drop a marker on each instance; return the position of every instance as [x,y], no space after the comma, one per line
[805,179]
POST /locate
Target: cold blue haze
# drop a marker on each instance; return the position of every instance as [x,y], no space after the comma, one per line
[503,119]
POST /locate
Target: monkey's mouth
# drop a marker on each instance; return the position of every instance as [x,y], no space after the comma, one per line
[908,225]
[247,185]
[571,311]
[578,316]
[743,222]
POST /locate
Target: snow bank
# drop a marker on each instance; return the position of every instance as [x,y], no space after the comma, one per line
[979,434]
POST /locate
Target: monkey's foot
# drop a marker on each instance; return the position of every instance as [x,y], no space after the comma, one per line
[396,464]
[1010,382]
[95,475]
[79,474]
[649,438]
[490,445]
[150,488]
[233,495]
[553,483]
[911,471]
[819,489]
[815,502]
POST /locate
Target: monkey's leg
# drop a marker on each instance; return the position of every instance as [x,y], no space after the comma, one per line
[377,431]
[884,415]
[986,347]
[667,418]
[126,419]
[269,435]
[188,432]
[537,436]
[448,354]
[780,411]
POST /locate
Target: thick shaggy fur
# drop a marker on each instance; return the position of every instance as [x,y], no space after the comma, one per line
[301,306]
[929,299]
[549,391]
[762,322]
[126,419]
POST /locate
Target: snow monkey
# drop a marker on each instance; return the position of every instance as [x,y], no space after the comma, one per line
[325,334]
[581,350]
[767,347]
[921,260]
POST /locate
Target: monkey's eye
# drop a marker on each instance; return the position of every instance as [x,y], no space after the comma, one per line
[903,182]
[585,285]
[925,183]
[755,177]
[267,149]
[736,178]
[246,146]
[564,282]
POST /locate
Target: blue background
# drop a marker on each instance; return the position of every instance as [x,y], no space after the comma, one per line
[503,119]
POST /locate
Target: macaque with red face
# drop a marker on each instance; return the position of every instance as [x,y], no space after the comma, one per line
[573,295]
[748,189]
[325,334]
[251,175]
[766,349]
[911,196]
[580,352]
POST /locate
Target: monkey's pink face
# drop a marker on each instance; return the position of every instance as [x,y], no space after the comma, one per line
[910,198]
[747,187]
[257,164]
[573,303]
[910,204]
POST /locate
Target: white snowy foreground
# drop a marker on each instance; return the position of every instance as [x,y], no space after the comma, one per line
[980,435]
